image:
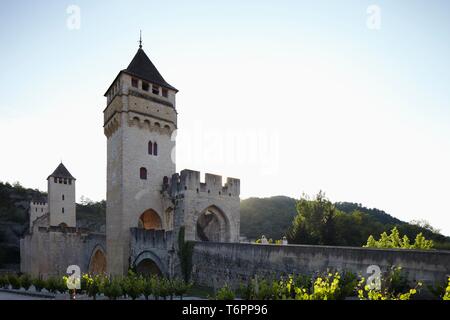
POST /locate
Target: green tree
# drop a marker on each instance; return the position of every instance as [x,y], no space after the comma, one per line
[315,222]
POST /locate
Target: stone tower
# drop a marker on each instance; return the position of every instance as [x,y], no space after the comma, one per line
[61,197]
[139,120]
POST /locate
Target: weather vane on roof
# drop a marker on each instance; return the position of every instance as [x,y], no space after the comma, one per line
[140,39]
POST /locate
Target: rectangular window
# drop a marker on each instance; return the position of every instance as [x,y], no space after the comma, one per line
[165,92]
[134,82]
[56,180]
[145,86]
[60,180]
[63,197]
[70,181]
[155,89]
[65,181]
[62,210]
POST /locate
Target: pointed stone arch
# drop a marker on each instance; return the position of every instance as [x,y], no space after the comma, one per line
[97,262]
[148,263]
[149,220]
[212,225]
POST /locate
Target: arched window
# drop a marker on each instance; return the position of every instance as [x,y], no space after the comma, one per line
[143,173]
[150,147]
[155,149]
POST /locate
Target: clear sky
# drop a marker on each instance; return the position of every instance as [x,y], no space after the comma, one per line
[289,96]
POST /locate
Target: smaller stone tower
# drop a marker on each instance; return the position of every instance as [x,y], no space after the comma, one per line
[61,197]
[38,207]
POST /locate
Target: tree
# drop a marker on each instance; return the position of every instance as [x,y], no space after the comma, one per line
[315,222]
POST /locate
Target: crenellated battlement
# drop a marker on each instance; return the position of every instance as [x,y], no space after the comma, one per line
[189,180]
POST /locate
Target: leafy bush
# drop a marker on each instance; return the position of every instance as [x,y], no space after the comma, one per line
[111,288]
[225,293]
[324,288]
[394,286]
[447,291]
[133,285]
[92,284]
[181,287]
[14,281]
[52,284]
[149,287]
[4,282]
[39,284]
[25,281]
[394,240]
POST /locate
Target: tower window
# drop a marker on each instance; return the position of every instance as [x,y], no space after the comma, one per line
[65,181]
[150,147]
[62,210]
[63,197]
[155,89]
[42,209]
[56,180]
[143,173]
[165,92]
[36,210]
[70,181]
[155,149]
[134,82]
[60,180]
[145,86]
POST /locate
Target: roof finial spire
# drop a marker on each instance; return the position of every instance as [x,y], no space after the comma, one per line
[140,39]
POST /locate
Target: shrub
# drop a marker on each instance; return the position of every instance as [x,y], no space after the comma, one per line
[111,288]
[447,291]
[395,241]
[39,284]
[181,287]
[149,287]
[92,284]
[4,282]
[394,286]
[133,285]
[324,288]
[25,281]
[14,281]
[52,284]
[225,293]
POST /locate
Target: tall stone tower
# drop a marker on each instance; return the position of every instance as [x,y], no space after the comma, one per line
[61,197]
[139,120]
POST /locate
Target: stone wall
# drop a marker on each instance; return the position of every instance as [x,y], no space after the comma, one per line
[156,245]
[49,251]
[215,263]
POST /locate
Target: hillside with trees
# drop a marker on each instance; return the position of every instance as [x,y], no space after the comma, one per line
[324,223]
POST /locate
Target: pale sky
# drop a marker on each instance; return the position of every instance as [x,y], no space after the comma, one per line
[288,96]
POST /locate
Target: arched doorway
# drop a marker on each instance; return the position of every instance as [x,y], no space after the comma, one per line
[150,220]
[148,263]
[148,267]
[212,225]
[97,265]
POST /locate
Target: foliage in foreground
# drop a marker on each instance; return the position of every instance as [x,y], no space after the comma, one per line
[329,286]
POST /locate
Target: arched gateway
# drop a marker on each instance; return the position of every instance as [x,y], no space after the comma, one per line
[212,225]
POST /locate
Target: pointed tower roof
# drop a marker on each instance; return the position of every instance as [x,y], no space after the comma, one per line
[61,172]
[141,67]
